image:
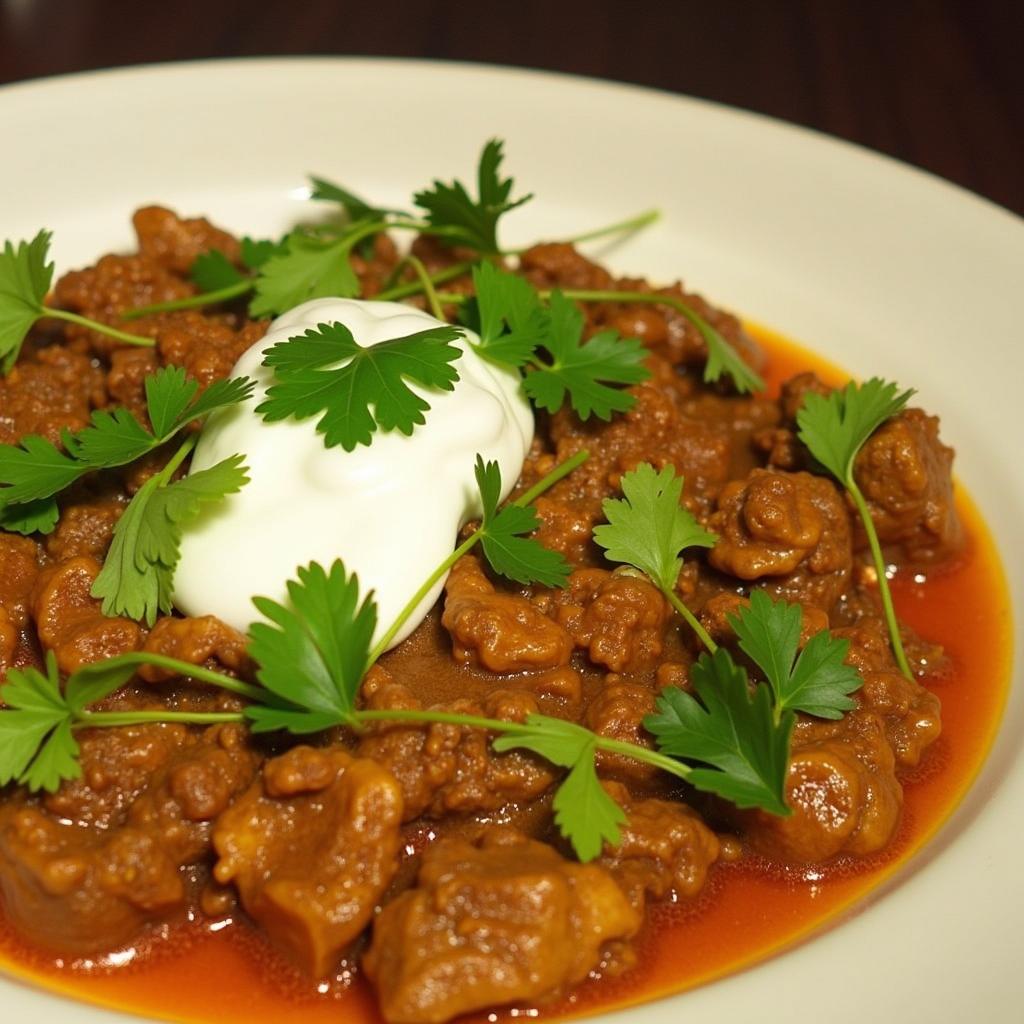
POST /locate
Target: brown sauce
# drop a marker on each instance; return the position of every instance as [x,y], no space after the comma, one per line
[227,975]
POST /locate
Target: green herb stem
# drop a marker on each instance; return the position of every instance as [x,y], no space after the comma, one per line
[401,291]
[691,619]
[428,286]
[560,471]
[95,325]
[621,227]
[177,459]
[183,668]
[883,580]
[645,754]
[89,719]
[231,291]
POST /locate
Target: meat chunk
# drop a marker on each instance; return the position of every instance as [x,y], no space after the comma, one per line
[311,848]
[77,888]
[175,243]
[905,472]
[617,713]
[85,529]
[69,619]
[842,788]
[501,632]
[19,569]
[206,348]
[618,618]
[791,530]
[444,769]
[505,920]
[199,641]
[665,849]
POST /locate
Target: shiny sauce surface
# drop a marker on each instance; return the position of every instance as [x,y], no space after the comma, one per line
[225,974]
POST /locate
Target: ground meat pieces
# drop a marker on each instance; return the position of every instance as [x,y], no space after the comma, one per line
[791,529]
[905,472]
[559,265]
[450,768]
[617,713]
[85,529]
[126,381]
[619,618]
[501,632]
[79,888]
[199,641]
[568,526]
[842,788]
[52,392]
[69,620]
[206,348]
[665,849]
[19,569]
[505,920]
[174,243]
[311,847]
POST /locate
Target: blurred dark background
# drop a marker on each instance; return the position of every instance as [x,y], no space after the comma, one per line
[938,83]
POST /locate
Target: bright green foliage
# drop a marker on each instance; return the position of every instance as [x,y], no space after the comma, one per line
[369,391]
[730,729]
[472,222]
[649,527]
[309,267]
[508,551]
[25,279]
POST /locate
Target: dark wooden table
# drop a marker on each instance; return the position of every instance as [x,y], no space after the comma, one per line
[938,83]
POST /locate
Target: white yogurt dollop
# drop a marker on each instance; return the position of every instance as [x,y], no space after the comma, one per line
[390,511]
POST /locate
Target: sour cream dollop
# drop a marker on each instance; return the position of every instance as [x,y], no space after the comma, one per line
[390,511]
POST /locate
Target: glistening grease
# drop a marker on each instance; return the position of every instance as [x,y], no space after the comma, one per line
[226,974]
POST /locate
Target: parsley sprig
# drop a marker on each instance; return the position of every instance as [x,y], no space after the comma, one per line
[25,279]
[34,471]
[369,391]
[835,428]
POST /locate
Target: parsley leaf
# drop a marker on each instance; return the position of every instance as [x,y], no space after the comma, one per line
[368,391]
[308,267]
[314,652]
[212,271]
[817,681]
[355,208]
[256,251]
[730,729]
[584,812]
[834,428]
[584,371]
[649,527]
[137,576]
[25,279]
[35,470]
[501,533]
[464,220]
[513,323]
[37,747]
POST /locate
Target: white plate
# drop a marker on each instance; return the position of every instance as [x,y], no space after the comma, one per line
[881,267]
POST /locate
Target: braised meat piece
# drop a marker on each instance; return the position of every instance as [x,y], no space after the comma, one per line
[503,920]
[311,848]
[501,632]
[905,472]
[789,530]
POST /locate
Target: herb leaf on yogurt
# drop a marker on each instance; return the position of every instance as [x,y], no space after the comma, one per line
[370,391]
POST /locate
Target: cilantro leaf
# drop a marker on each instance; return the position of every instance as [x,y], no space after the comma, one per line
[212,271]
[368,392]
[39,516]
[313,652]
[111,439]
[309,267]
[584,812]
[722,357]
[507,551]
[35,469]
[513,323]
[464,220]
[835,427]
[649,527]
[219,395]
[25,279]
[729,729]
[137,576]
[168,393]
[584,371]
[37,747]
[256,251]
[818,681]
[354,207]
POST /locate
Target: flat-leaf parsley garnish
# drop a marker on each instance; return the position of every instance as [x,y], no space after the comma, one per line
[369,391]
[835,428]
